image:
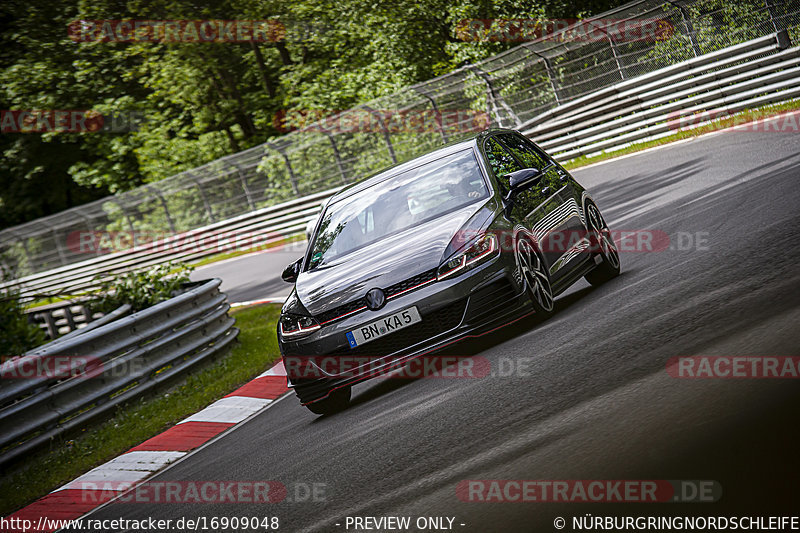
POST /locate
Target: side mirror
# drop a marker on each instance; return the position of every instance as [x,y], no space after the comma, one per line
[291,272]
[520,178]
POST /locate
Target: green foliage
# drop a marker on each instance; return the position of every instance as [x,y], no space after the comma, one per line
[142,288]
[717,24]
[17,335]
[201,101]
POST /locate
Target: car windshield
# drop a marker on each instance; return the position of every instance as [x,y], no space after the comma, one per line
[412,197]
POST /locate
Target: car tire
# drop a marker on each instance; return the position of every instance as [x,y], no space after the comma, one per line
[601,241]
[336,401]
[533,271]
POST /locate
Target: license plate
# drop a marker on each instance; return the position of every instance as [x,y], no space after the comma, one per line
[382,327]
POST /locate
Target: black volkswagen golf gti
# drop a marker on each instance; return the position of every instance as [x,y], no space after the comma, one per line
[454,243]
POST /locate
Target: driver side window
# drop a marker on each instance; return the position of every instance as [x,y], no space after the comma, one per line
[501,161]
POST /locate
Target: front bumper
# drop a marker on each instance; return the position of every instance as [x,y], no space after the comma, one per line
[450,309]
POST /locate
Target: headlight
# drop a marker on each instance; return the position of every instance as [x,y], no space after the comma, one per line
[296,327]
[484,249]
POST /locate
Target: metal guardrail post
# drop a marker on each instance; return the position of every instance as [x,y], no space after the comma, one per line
[160,197]
[439,120]
[614,52]
[688,26]
[248,195]
[124,208]
[384,129]
[282,150]
[203,196]
[336,155]
[62,256]
[89,229]
[550,74]
[22,242]
[781,32]
[494,97]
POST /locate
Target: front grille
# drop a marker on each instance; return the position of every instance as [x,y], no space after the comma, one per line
[392,290]
[432,324]
[410,283]
[342,310]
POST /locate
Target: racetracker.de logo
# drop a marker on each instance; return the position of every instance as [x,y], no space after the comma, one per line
[625,240]
[734,367]
[563,30]
[465,367]
[176,31]
[183,492]
[587,491]
[103,242]
[51,367]
[760,121]
[67,121]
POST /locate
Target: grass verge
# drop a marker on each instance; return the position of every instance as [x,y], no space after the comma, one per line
[44,471]
[727,122]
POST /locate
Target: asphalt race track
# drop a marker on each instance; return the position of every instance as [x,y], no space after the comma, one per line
[255,276]
[588,396]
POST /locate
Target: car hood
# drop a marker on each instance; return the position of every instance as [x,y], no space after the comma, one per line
[381,264]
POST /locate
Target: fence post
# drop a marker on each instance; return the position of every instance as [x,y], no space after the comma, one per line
[384,130]
[439,118]
[550,74]
[59,247]
[494,97]
[336,154]
[164,205]
[688,27]
[281,150]
[87,220]
[203,196]
[246,189]
[779,24]
[24,244]
[614,52]
[124,208]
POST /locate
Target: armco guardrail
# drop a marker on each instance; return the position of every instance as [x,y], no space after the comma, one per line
[258,228]
[750,74]
[67,383]
[747,75]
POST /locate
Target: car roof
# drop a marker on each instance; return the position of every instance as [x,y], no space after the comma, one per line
[393,170]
